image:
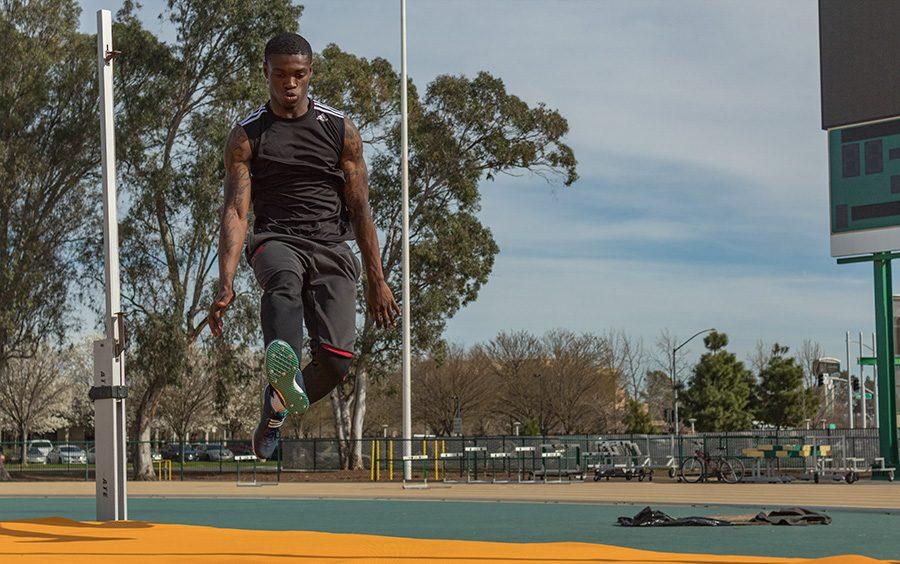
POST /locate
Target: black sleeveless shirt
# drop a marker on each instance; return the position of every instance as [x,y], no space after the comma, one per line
[296,178]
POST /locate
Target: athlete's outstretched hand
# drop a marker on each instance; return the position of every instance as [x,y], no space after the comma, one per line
[382,306]
[223,299]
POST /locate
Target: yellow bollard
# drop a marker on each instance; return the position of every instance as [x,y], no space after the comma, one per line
[436,471]
[378,456]
[372,463]
[164,469]
[391,460]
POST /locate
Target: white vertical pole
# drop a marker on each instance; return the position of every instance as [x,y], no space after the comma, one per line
[875,380]
[849,383]
[862,385]
[404,158]
[109,366]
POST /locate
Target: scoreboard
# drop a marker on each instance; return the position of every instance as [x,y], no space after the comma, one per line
[860,77]
[864,172]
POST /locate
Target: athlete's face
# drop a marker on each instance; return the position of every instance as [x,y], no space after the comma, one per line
[288,77]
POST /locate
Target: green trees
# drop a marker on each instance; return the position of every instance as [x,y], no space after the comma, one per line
[719,389]
[659,395]
[637,417]
[463,132]
[175,105]
[48,158]
[783,399]
[724,396]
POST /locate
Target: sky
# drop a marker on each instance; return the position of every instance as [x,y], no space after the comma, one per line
[702,198]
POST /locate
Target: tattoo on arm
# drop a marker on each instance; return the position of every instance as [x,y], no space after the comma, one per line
[237,204]
[356,196]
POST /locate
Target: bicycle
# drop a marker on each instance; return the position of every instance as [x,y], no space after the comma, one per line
[702,465]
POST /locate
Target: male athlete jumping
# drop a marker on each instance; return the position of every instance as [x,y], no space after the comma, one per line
[301,164]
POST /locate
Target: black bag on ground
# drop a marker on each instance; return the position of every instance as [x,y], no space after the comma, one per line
[648,517]
[793,516]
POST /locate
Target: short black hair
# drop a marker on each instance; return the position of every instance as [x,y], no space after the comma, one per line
[288,43]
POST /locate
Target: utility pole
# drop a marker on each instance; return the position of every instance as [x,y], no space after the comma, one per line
[405,386]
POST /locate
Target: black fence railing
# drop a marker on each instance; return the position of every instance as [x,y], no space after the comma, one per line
[383,456]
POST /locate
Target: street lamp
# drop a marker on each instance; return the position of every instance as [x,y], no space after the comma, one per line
[674,381]
[457,417]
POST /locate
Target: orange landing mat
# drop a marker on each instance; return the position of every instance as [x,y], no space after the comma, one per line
[57,540]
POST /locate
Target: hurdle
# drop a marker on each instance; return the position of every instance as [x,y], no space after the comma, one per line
[545,471]
[473,452]
[459,457]
[425,438]
[254,483]
[879,467]
[409,484]
[504,457]
[520,467]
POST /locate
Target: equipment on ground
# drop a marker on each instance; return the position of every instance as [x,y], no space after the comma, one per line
[619,459]
[797,516]
[254,483]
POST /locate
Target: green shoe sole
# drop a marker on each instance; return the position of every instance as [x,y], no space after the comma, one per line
[282,365]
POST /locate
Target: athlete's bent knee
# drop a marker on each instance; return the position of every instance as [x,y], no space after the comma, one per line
[335,362]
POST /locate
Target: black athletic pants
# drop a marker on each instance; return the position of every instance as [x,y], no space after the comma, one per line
[315,283]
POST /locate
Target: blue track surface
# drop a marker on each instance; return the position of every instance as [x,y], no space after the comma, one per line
[870,533]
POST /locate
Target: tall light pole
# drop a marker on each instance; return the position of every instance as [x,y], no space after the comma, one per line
[674,379]
[404,165]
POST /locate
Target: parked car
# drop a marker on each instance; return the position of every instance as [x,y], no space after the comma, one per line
[67,454]
[34,455]
[174,452]
[42,445]
[216,453]
[154,454]
[241,449]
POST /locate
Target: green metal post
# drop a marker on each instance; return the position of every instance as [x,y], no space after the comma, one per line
[278,464]
[884,334]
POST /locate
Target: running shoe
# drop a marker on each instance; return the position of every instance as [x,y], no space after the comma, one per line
[283,374]
[265,438]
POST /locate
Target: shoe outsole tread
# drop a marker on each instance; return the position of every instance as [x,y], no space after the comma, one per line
[282,365]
